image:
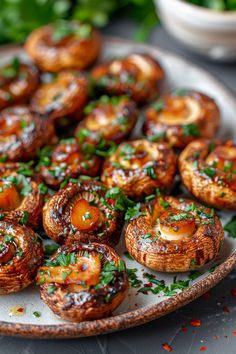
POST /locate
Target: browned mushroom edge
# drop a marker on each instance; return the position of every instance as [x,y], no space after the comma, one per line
[174,235]
[139,167]
[66,95]
[23,133]
[68,159]
[111,118]
[182,116]
[21,254]
[208,170]
[64,45]
[18,81]
[82,211]
[137,75]
[83,282]
[21,199]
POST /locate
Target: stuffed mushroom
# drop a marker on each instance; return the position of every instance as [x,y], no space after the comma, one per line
[22,133]
[137,75]
[66,95]
[174,235]
[67,160]
[139,167]
[208,170]
[64,45]
[18,81]
[83,282]
[81,211]
[21,253]
[181,117]
[111,118]
[21,199]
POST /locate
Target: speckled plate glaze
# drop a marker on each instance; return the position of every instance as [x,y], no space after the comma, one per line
[138,308]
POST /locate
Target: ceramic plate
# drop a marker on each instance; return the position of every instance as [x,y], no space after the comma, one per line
[138,308]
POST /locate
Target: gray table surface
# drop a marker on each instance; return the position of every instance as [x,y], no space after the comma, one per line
[217,333]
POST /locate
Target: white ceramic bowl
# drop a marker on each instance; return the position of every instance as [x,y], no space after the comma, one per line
[207,32]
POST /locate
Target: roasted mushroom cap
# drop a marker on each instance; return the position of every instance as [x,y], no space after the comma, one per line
[18,81]
[174,235]
[20,255]
[83,281]
[181,117]
[65,45]
[110,118]
[138,76]
[208,170]
[20,199]
[81,211]
[67,160]
[138,167]
[22,133]
[65,95]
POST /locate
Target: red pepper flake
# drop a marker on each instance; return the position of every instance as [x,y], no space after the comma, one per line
[206,296]
[226,309]
[234,333]
[233,292]
[203,348]
[215,337]
[167,347]
[195,323]
[184,329]
[148,285]
[20,309]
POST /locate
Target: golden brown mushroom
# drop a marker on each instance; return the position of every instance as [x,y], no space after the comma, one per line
[81,211]
[65,95]
[181,117]
[83,282]
[208,170]
[22,133]
[174,235]
[138,76]
[67,160]
[18,81]
[21,199]
[21,254]
[138,167]
[64,45]
[111,118]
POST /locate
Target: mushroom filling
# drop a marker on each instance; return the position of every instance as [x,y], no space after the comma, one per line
[180,110]
[8,248]
[174,224]
[223,158]
[135,156]
[87,212]
[10,198]
[77,272]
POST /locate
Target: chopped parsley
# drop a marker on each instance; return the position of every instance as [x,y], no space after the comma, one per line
[191,130]
[151,172]
[133,212]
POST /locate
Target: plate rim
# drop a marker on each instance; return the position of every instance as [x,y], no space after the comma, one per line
[146,313]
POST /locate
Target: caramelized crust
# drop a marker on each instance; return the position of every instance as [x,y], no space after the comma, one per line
[18,81]
[110,118]
[21,254]
[181,117]
[138,76]
[83,294]
[81,211]
[68,160]
[174,235]
[208,171]
[22,133]
[138,167]
[66,95]
[76,46]
[20,199]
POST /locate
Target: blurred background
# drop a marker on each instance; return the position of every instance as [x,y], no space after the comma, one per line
[19,17]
